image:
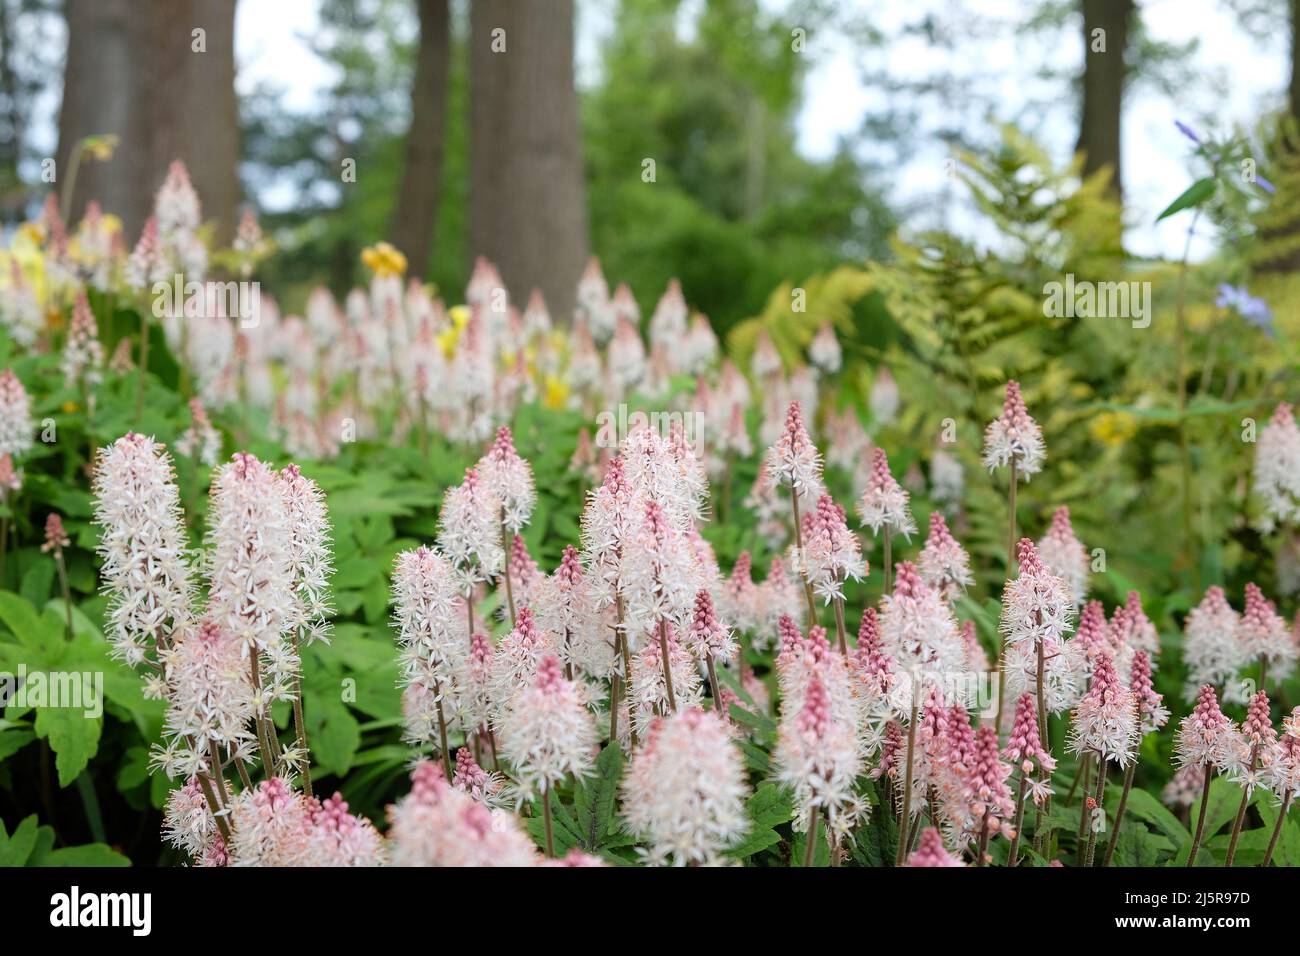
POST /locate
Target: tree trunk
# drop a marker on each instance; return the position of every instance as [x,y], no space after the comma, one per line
[99,79]
[136,69]
[417,199]
[528,208]
[1103,86]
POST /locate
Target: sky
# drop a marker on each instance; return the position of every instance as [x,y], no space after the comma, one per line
[1241,76]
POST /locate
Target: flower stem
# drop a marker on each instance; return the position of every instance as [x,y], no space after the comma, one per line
[1119,813]
[668,671]
[1277,829]
[1011,567]
[505,565]
[798,544]
[299,724]
[713,686]
[1241,812]
[810,850]
[67,591]
[889,561]
[905,821]
[546,821]
[144,364]
[1200,818]
[1101,793]
[1020,819]
[442,731]
[840,630]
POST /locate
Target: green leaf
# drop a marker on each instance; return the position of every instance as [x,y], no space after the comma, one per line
[1137,846]
[37,579]
[770,806]
[73,737]
[88,854]
[332,733]
[13,740]
[15,848]
[594,798]
[1287,851]
[1193,195]
[1144,806]
[24,622]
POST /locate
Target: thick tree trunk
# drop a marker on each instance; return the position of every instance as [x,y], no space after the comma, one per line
[135,69]
[1103,86]
[528,208]
[99,81]
[416,211]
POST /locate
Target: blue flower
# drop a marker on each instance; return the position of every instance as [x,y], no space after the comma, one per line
[1250,307]
[1188,132]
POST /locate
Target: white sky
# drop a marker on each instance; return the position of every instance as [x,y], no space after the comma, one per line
[1237,76]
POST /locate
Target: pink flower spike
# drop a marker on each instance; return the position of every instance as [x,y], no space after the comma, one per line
[930,851]
[884,502]
[1205,735]
[1014,438]
[793,459]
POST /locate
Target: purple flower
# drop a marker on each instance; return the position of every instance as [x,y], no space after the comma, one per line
[1251,308]
[1189,132]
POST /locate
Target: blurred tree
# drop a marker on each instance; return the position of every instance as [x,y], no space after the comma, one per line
[338,159]
[28,61]
[1105,39]
[729,206]
[160,74]
[416,210]
[528,206]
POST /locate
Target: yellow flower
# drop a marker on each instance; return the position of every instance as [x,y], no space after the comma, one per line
[459,316]
[1113,428]
[100,147]
[557,392]
[69,407]
[383,260]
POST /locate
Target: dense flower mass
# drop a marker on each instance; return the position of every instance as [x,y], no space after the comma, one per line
[633,645]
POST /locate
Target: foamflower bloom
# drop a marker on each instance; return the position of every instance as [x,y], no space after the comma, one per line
[1025,745]
[547,732]
[211,701]
[831,553]
[1212,648]
[143,545]
[1205,736]
[1264,635]
[943,563]
[1014,438]
[83,354]
[1276,478]
[509,478]
[818,757]
[793,459]
[1105,719]
[1064,554]
[16,426]
[469,530]
[930,851]
[884,503]
[438,825]
[685,790]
